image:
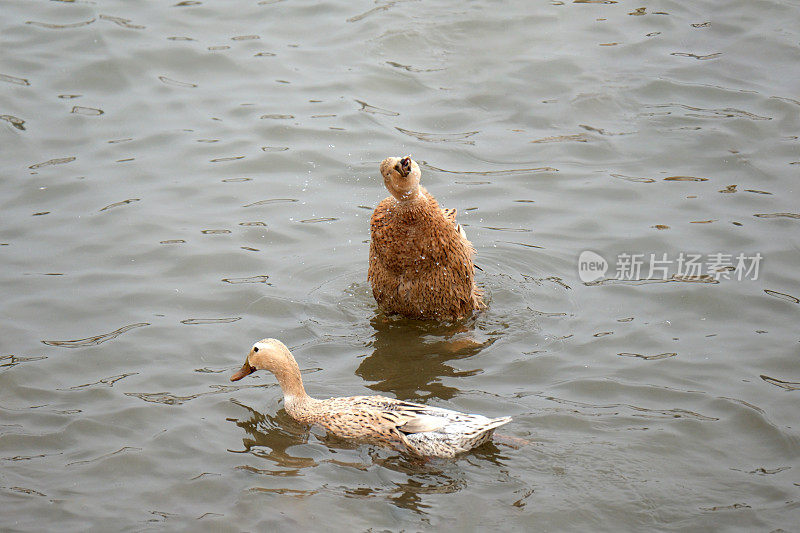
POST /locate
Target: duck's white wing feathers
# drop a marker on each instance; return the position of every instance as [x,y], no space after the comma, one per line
[445,433]
[422,423]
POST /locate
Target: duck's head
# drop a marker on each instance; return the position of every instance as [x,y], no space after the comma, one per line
[401,177]
[268,354]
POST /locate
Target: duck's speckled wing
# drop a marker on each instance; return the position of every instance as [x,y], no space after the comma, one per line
[422,430]
[364,417]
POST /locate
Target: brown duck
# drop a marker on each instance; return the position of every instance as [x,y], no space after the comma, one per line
[421,430]
[420,261]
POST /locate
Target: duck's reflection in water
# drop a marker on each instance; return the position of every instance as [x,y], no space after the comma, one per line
[269,437]
[410,357]
[423,478]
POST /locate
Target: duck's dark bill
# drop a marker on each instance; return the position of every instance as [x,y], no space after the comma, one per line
[245,370]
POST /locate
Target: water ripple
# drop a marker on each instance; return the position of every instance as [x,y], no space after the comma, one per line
[124,449]
[425,164]
[636,410]
[684,178]
[176,83]
[365,107]
[440,137]
[29,457]
[60,26]
[782,296]
[109,381]
[633,178]
[761,471]
[374,10]
[88,111]
[23,490]
[411,68]
[655,357]
[251,279]
[124,23]
[13,360]
[96,339]
[318,219]
[578,137]
[513,230]
[775,215]
[271,201]
[695,56]
[726,507]
[50,162]
[728,112]
[14,79]
[168,398]
[203,474]
[120,203]
[601,131]
[203,321]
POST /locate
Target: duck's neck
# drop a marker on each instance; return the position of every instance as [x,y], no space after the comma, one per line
[413,202]
[295,399]
[301,408]
[291,383]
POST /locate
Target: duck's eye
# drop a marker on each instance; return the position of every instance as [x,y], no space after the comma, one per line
[255,348]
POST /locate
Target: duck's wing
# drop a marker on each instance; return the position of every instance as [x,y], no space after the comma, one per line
[450,215]
[421,423]
[448,434]
[422,430]
[417,418]
[407,417]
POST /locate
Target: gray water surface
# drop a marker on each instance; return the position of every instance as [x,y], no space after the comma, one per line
[181,179]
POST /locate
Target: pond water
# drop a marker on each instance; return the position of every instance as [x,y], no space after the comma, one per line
[181,179]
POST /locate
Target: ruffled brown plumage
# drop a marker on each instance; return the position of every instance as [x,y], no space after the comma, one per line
[420,261]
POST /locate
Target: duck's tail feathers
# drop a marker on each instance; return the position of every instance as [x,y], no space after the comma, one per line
[496,423]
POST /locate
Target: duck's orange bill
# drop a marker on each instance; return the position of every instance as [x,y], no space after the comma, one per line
[245,370]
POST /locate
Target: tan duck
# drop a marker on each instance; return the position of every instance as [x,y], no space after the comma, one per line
[420,261]
[421,430]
